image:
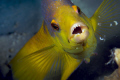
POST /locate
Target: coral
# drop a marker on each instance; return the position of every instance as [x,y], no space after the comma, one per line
[116,74]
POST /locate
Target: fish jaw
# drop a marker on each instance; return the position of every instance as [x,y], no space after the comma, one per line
[78,32]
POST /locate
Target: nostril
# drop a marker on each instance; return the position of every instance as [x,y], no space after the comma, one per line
[77,30]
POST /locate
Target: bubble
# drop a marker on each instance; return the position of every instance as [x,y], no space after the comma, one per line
[99,24]
[102,38]
[99,16]
[110,24]
[116,23]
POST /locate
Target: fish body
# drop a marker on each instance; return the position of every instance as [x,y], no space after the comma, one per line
[66,37]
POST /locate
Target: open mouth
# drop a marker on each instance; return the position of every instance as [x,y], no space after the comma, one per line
[78,28]
[79,32]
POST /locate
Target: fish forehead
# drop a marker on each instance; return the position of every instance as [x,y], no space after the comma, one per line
[52,4]
[49,7]
[65,16]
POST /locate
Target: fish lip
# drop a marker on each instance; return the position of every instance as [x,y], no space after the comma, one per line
[83,28]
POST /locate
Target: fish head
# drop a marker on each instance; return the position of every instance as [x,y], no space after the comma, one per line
[70,29]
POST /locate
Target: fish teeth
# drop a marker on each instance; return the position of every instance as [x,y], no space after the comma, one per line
[73,29]
[75,26]
[83,30]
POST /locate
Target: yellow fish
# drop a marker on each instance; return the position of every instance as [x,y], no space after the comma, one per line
[66,37]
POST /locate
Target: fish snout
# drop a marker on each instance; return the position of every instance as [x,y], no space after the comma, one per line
[78,33]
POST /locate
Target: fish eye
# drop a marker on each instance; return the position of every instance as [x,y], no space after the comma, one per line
[54,25]
[77,9]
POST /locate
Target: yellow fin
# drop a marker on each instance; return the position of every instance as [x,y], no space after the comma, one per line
[70,65]
[106,19]
[49,63]
[33,66]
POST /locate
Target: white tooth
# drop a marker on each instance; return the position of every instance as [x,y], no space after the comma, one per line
[83,30]
[73,29]
[78,33]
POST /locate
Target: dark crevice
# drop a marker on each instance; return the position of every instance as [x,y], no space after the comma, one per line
[77,30]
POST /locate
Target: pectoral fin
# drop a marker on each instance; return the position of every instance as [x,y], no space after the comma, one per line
[106,18]
[34,66]
[49,63]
